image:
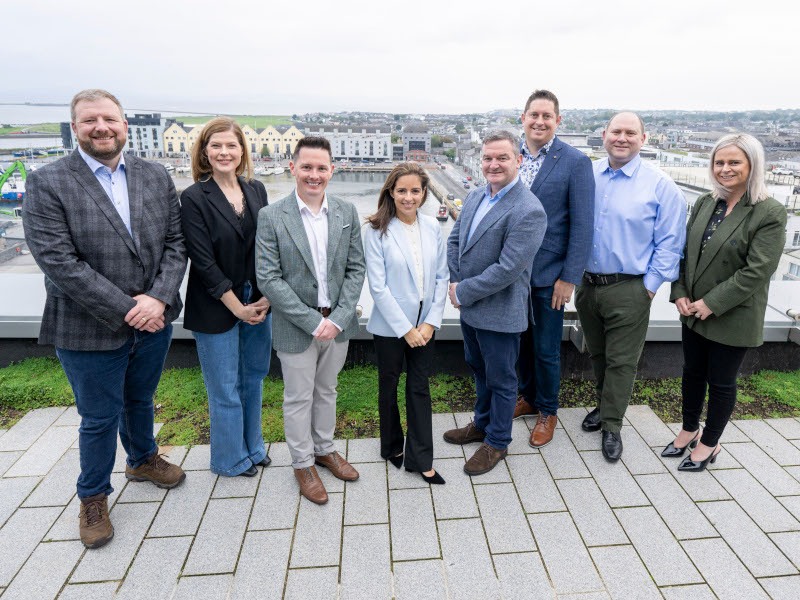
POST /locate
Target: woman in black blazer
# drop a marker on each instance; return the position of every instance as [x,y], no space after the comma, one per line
[225,311]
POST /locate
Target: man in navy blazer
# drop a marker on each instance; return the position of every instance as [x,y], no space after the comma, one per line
[490,253]
[561,178]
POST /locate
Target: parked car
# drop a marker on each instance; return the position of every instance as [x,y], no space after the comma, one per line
[782,171]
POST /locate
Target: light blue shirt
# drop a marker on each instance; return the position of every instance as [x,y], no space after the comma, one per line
[487,203]
[115,184]
[639,223]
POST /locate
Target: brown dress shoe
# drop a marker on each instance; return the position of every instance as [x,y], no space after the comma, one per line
[484,460]
[311,485]
[464,435]
[523,408]
[95,524]
[162,473]
[338,466]
[542,433]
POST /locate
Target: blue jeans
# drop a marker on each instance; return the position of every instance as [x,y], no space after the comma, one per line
[234,365]
[492,356]
[540,354]
[114,393]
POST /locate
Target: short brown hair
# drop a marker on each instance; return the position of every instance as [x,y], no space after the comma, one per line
[201,168]
[92,95]
[386,208]
[542,95]
[312,141]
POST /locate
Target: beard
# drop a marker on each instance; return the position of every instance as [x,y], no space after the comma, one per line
[95,152]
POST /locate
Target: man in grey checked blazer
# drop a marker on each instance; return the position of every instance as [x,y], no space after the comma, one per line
[310,265]
[105,230]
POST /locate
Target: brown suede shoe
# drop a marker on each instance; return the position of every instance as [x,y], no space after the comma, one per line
[523,408]
[338,466]
[311,485]
[162,473]
[95,524]
[543,431]
[484,460]
[464,435]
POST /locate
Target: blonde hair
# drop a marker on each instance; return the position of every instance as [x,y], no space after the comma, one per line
[754,151]
[201,168]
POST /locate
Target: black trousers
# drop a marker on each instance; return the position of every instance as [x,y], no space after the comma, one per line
[708,364]
[419,442]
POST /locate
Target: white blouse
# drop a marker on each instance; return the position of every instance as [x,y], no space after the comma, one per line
[414,236]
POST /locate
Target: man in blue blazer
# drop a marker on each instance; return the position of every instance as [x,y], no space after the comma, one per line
[490,253]
[561,178]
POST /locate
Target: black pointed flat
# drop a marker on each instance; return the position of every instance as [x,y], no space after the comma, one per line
[687,464]
[397,461]
[672,451]
[434,479]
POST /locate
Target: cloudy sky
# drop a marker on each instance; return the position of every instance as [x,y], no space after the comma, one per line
[266,57]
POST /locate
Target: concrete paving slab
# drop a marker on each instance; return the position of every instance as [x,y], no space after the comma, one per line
[562,459]
[455,499]
[571,419]
[623,573]
[69,417]
[757,502]
[413,527]
[45,452]
[183,507]
[769,440]
[782,588]
[261,571]
[420,580]
[155,570]
[615,481]
[522,576]
[279,454]
[535,486]
[219,539]
[637,456]
[45,571]
[20,536]
[788,427]
[312,584]
[7,459]
[504,522]
[652,429]
[29,428]
[58,487]
[237,487]
[368,498]
[466,559]
[761,466]
[276,501]
[723,571]
[13,492]
[141,491]
[789,543]
[89,591]
[364,450]
[677,509]
[208,587]
[318,533]
[688,592]
[198,458]
[400,479]
[441,449]
[594,518]
[700,486]
[520,438]
[366,566]
[792,504]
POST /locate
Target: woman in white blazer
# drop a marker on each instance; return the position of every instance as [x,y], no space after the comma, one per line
[408,278]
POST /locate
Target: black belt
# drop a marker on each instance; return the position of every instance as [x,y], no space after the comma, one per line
[325,311]
[607,278]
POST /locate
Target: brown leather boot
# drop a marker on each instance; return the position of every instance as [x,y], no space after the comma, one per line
[162,473]
[543,431]
[484,460]
[338,466]
[464,435]
[523,408]
[311,485]
[95,524]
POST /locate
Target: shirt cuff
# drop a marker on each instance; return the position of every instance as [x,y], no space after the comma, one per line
[335,324]
[652,282]
[316,330]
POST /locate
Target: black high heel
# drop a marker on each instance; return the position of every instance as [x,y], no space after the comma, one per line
[397,461]
[687,464]
[434,479]
[672,451]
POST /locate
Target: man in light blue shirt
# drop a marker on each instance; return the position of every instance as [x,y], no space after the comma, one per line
[639,233]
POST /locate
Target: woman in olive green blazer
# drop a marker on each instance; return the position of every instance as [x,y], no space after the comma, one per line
[734,240]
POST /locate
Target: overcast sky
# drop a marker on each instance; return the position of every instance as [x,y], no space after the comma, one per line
[265,57]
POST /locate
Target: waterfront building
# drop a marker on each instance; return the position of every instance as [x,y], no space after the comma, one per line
[357,142]
[176,138]
[416,143]
[145,135]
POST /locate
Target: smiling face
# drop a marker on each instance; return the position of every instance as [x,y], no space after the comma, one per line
[100,129]
[312,171]
[408,194]
[540,122]
[224,153]
[499,164]
[732,169]
[622,139]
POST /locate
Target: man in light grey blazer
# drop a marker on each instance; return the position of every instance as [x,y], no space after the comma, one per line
[310,265]
[490,252]
[105,229]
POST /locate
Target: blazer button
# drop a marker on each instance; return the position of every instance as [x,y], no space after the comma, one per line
[138,263]
[315,286]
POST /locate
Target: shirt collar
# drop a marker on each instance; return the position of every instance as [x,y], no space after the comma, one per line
[95,164]
[629,168]
[499,195]
[302,205]
[523,147]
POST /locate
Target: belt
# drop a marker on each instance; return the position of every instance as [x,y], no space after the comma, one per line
[607,278]
[325,311]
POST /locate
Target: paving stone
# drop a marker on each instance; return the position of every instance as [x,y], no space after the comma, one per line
[198,458]
[788,427]
[520,438]
[261,571]
[623,573]
[466,560]
[44,452]
[120,458]
[412,525]
[595,521]
[366,566]
[637,456]
[183,507]
[58,487]
[750,544]
[789,543]
[522,576]
[419,580]
[368,498]
[455,499]
[237,487]
[7,459]
[142,491]
[732,434]
[174,454]
[400,479]
[647,423]
[217,543]
[318,534]
[207,587]
[66,526]
[276,501]
[767,438]
[700,486]
[769,473]
[112,560]
[89,591]
[659,550]
[28,429]
[566,558]
[571,419]
[364,450]
[499,474]
[679,512]
[724,461]
[155,570]
[331,483]
[780,588]
[757,502]
[794,472]
[503,519]
[589,596]
[722,570]
[312,584]
[12,493]
[69,417]
[688,592]
[279,454]
[535,486]
[792,504]
[441,449]
[45,571]
[562,459]
[618,486]
[20,536]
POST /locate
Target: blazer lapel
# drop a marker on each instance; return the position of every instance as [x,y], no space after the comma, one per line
[217,199]
[253,202]
[401,239]
[334,230]
[498,210]
[135,197]
[294,225]
[724,231]
[548,163]
[467,215]
[83,174]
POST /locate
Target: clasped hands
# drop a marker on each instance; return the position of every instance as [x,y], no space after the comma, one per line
[254,313]
[697,308]
[147,315]
[419,336]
